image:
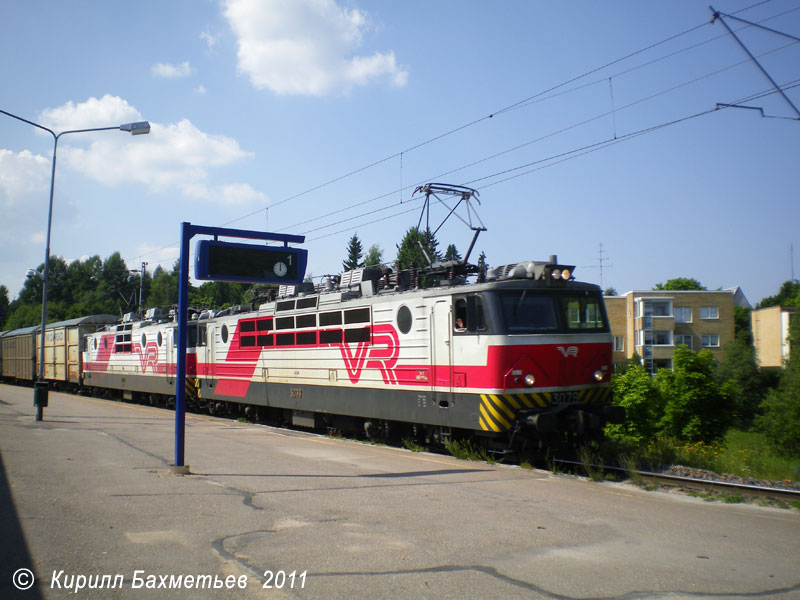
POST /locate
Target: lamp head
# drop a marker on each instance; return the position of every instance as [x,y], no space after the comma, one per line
[138,128]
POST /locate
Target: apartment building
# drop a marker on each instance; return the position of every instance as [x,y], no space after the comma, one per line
[653,323]
[771,334]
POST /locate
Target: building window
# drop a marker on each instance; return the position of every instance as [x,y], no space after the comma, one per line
[683,314]
[684,340]
[654,308]
[709,312]
[710,341]
[662,338]
[619,343]
[662,308]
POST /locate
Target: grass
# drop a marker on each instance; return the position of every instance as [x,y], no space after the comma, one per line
[746,454]
[410,444]
[465,450]
[590,461]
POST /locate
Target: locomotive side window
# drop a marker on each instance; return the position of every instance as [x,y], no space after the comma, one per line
[197,336]
[160,339]
[284,323]
[310,302]
[252,332]
[356,335]
[285,305]
[224,334]
[306,321]
[330,318]
[330,336]
[468,315]
[460,314]
[404,319]
[356,315]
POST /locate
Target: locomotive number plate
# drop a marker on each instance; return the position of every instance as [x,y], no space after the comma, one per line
[563,397]
[295,393]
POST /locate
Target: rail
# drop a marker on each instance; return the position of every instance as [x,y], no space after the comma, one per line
[667,480]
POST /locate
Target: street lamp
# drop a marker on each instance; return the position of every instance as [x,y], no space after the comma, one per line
[138,128]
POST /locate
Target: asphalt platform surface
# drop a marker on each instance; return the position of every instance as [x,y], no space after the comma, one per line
[91,509]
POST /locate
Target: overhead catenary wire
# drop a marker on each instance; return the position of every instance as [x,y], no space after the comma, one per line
[537,165]
[538,97]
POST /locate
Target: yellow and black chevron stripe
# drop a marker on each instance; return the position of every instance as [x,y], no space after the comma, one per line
[192,388]
[498,411]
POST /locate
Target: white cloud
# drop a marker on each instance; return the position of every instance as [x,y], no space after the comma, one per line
[175,156]
[235,194]
[21,174]
[155,256]
[107,111]
[306,46]
[168,71]
[210,40]
[200,90]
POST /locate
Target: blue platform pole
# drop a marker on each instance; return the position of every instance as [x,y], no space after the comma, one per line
[180,361]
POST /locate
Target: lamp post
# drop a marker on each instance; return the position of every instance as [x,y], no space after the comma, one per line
[138,128]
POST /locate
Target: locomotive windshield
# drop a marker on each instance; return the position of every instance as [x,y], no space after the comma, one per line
[531,312]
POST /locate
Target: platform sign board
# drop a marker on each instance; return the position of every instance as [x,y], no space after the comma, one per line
[249,263]
[228,261]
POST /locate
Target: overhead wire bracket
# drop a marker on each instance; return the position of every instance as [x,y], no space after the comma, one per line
[715,14]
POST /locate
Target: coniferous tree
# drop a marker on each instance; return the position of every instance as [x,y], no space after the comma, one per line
[354,253]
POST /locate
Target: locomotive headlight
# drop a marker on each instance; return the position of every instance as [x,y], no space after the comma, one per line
[556,273]
[565,274]
[529,380]
[599,375]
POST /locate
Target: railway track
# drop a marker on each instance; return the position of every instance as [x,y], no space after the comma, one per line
[713,486]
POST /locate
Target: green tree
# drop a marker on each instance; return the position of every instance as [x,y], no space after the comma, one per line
[409,251]
[680,283]
[788,295]
[4,305]
[218,294]
[637,392]
[164,288]
[741,324]
[374,258]
[610,291]
[739,371]
[354,253]
[780,419]
[482,265]
[697,408]
[452,253]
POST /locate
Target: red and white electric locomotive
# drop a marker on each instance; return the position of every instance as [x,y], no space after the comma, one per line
[522,355]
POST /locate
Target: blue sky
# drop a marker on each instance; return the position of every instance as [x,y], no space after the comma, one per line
[256,105]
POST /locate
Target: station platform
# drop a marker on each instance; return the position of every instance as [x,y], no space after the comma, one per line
[91,509]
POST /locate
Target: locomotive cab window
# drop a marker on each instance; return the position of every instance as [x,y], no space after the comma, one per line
[584,312]
[468,315]
[526,311]
[196,336]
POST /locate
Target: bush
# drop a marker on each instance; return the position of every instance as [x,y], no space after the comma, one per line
[635,390]
[697,408]
[780,418]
